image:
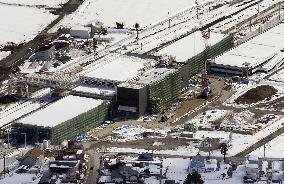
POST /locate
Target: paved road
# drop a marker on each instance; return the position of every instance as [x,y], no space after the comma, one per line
[93,162]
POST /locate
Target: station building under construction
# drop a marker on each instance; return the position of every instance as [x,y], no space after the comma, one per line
[126,86]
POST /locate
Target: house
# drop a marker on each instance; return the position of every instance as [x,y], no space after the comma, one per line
[145,157]
[45,53]
[211,165]
[170,182]
[33,157]
[197,165]
[66,167]
[125,174]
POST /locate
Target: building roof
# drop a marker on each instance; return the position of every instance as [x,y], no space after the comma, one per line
[60,111]
[190,46]
[255,51]
[104,91]
[197,164]
[145,157]
[34,153]
[64,164]
[120,69]
[149,77]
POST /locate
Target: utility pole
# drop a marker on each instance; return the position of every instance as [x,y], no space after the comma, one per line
[264,149]
[279,11]
[209,146]
[4,158]
[169,20]
[25,139]
[8,138]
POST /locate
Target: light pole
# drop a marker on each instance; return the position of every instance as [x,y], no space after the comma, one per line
[9,138]
[25,139]
[209,145]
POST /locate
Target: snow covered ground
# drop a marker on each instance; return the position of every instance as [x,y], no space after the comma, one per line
[179,151]
[18,109]
[279,76]
[20,24]
[144,12]
[204,118]
[246,140]
[4,54]
[20,179]
[129,133]
[48,3]
[274,149]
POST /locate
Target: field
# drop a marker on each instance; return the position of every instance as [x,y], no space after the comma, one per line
[46,3]
[24,25]
[145,12]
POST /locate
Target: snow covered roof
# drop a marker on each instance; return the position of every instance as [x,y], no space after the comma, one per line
[190,46]
[64,164]
[120,69]
[96,90]
[61,111]
[148,77]
[256,50]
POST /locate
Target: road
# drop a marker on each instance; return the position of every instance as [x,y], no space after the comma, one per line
[93,162]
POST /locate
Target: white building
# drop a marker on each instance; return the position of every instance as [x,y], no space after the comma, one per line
[80,32]
[260,54]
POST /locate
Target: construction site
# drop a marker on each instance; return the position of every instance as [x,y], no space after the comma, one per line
[205,76]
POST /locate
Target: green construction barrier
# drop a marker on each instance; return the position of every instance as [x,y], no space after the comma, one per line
[164,92]
[196,63]
[80,124]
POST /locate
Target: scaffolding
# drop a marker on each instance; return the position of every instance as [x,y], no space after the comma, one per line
[80,124]
[196,63]
[164,92]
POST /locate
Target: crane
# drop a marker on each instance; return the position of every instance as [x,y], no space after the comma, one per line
[205,35]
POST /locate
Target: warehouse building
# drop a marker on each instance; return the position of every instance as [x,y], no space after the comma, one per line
[68,117]
[260,54]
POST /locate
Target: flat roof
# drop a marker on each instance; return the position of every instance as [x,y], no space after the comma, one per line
[154,75]
[256,50]
[61,111]
[150,76]
[190,46]
[95,90]
[120,69]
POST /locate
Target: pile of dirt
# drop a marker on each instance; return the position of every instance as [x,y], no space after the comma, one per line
[257,94]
